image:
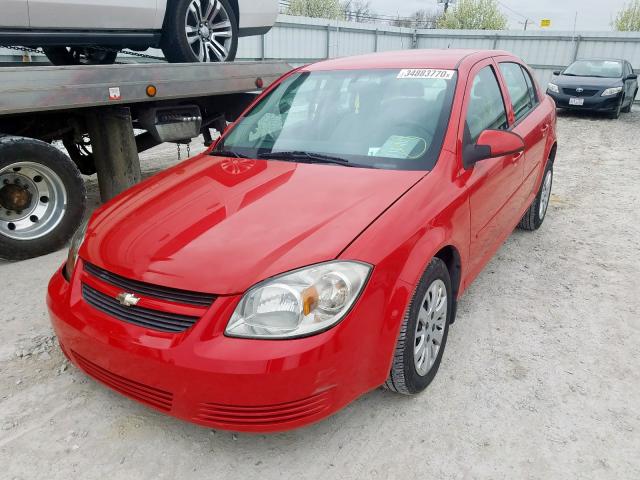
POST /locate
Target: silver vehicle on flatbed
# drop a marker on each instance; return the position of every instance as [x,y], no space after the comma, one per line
[93,31]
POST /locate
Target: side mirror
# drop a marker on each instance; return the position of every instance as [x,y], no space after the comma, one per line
[492,144]
[633,76]
[557,72]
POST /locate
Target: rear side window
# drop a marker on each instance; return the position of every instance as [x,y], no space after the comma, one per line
[519,90]
[530,86]
[486,107]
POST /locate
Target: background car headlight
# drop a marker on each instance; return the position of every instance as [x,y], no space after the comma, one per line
[299,303]
[611,91]
[74,246]
[553,88]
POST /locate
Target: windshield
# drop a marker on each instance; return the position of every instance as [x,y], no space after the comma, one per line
[595,68]
[391,119]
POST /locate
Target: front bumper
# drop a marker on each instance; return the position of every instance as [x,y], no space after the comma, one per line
[596,103]
[235,384]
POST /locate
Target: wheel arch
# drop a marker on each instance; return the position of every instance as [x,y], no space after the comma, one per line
[236,10]
[451,258]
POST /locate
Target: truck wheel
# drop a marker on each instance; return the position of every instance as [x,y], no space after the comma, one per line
[200,31]
[79,56]
[42,198]
[424,332]
[535,214]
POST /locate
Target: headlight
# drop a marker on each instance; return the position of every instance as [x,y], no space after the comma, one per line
[553,88]
[76,243]
[299,303]
[611,91]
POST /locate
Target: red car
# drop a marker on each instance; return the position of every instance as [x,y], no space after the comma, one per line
[319,249]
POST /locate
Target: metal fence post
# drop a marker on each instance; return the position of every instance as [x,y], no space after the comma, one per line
[264,47]
[577,47]
[375,40]
[495,41]
[328,41]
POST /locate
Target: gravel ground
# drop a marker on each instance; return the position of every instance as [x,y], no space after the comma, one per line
[540,380]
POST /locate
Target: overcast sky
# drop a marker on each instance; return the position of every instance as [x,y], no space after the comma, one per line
[592,14]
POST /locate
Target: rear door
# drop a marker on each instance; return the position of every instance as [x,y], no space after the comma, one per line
[528,121]
[492,183]
[93,14]
[14,13]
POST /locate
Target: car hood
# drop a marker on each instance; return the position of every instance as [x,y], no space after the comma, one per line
[220,225]
[597,82]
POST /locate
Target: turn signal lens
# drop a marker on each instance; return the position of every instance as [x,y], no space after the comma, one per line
[151,90]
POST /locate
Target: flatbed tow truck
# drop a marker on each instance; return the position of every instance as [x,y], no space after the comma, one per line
[104,115]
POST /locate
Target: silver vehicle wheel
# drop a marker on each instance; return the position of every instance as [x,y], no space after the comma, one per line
[546,194]
[209,30]
[430,327]
[33,200]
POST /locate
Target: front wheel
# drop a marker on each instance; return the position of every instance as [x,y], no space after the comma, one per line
[537,211]
[79,56]
[628,108]
[424,332]
[42,198]
[200,31]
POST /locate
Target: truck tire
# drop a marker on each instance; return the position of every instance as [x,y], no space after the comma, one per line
[79,56]
[424,332]
[537,211]
[42,198]
[190,36]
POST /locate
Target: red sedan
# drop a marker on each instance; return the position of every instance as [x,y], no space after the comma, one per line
[319,249]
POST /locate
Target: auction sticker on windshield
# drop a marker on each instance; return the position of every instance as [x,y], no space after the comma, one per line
[426,73]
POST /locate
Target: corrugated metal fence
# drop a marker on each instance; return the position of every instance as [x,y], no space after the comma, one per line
[302,40]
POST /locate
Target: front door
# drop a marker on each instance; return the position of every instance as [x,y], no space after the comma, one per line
[492,183]
[93,14]
[14,13]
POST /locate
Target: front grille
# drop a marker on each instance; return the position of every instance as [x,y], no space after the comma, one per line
[143,317]
[150,290]
[144,393]
[233,415]
[585,93]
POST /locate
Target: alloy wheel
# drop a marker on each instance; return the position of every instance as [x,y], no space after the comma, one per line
[430,327]
[545,195]
[209,30]
[33,200]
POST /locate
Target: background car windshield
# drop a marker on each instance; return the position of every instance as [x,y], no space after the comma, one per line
[595,68]
[370,118]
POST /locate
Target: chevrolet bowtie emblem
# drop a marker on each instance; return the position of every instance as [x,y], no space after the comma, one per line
[579,90]
[127,299]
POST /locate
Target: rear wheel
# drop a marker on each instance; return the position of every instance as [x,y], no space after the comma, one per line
[42,198]
[200,31]
[423,334]
[537,211]
[79,56]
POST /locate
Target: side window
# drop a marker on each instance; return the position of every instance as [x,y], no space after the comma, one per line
[518,90]
[486,107]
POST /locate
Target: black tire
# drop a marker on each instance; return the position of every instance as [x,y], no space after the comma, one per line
[79,56]
[628,108]
[404,377]
[532,219]
[174,41]
[616,113]
[19,149]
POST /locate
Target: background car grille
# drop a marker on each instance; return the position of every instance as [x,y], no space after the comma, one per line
[149,290]
[584,93]
[144,393]
[143,317]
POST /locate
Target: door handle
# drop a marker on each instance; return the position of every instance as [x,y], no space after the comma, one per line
[545,128]
[517,156]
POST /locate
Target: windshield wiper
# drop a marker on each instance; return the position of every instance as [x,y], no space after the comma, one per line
[308,157]
[227,153]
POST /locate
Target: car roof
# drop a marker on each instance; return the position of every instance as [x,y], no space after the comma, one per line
[449,59]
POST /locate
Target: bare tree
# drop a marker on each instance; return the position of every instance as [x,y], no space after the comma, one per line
[418,19]
[358,11]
